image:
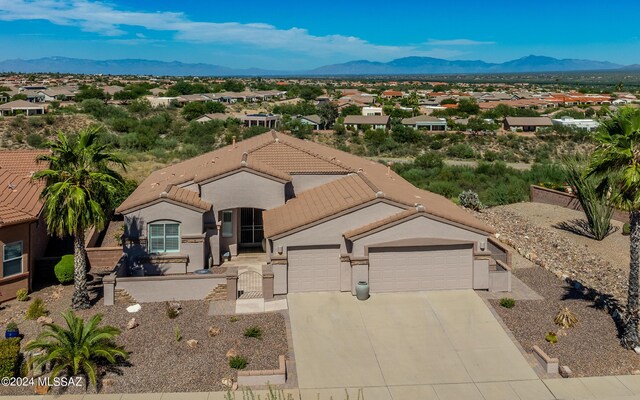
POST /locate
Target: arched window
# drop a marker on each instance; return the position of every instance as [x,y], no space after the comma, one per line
[164,237]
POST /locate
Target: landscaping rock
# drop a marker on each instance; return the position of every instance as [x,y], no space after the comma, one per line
[637,349]
[134,308]
[213,331]
[44,320]
[192,343]
[228,382]
[175,305]
[107,382]
[132,323]
[635,372]
[232,353]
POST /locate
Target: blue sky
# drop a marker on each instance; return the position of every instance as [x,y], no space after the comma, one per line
[294,35]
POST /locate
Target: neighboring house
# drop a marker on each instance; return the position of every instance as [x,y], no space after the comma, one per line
[162,101]
[111,90]
[362,122]
[266,120]
[23,233]
[33,96]
[314,120]
[21,106]
[426,122]
[372,111]
[570,122]
[526,124]
[57,94]
[390,94]
[214,117]
[191,98]
[325,220]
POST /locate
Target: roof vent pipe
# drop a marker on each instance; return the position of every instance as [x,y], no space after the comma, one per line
[419,207]
[380,194]
[163,194]
[389,164]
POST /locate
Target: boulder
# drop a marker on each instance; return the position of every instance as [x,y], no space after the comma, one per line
[44,320]
[132,323]
[228,382]
[134,308]
[192,343]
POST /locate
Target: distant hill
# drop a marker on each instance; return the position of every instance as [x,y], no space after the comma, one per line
[400,66]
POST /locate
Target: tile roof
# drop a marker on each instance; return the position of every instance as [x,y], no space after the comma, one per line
[20,104]
[280,155]
[528,121]
[19,195]
[367,119]
[318,203]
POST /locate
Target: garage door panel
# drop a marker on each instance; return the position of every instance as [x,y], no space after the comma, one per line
[392,270]
[314,269]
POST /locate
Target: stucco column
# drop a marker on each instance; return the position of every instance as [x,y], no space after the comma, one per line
[232,283]
[109,285]
[267,282]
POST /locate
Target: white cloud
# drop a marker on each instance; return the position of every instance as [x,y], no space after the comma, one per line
[456,42]
[104,19]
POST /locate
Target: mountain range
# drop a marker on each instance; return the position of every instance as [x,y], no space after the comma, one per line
[400,66]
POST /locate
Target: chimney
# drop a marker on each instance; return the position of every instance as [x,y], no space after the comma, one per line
[389,164]
[234,141]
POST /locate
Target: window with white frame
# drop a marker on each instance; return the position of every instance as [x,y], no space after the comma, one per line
[227,223]
[12,259]
[164,237]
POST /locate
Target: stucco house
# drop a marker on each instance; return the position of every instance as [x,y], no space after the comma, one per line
[324,220]
[23,233]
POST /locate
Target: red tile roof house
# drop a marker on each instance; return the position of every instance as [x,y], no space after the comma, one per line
[325,219]
[23,233]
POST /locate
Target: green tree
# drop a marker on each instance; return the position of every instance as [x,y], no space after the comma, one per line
[328,113]
[468,106]
[79,184]
[19,96]
[197,109]
[78,348]
[615,161]
[351,109]
[91,92]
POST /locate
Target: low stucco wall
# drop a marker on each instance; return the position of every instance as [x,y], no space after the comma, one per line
[500,279]
[539,194]
[103,259]
[149,289]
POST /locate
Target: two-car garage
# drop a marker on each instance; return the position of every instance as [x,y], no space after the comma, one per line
[399,269]
[391,268]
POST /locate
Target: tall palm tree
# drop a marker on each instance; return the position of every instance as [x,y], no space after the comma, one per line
[616,161]
[79,185]
[78,347]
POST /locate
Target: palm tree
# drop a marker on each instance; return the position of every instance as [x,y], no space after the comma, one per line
[79,186]
[77,348]
[616,161]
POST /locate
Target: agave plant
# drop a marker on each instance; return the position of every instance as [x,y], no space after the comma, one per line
[77,348]
[597,208]
[565,318]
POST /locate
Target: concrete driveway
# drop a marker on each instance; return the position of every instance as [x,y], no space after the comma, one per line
[425,345]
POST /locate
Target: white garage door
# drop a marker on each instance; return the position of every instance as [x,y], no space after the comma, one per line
[420,268]
[314,269]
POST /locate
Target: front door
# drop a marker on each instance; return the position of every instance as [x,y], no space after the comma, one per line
[251,229]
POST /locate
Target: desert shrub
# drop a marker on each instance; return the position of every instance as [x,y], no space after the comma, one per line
[551,337]
[253,332]
[429,159]
[9,357]
[626,229]
[64,269]
[507,302]
[565,318]
[35,140]
[172,312]
[36,309]
[22,295]
[36,122]
[470,199]
[238,362]
[461,150]
[178,334]
[234,318]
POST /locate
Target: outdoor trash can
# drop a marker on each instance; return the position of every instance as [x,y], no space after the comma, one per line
[362,290]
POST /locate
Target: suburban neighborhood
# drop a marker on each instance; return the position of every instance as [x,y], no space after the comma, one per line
[208,201]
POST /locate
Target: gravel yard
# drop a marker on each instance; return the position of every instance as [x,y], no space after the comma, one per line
[159,363]
[591,348]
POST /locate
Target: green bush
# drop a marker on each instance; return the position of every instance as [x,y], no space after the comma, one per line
[9,357]
[64,269]
[461,150]
[507,302]
[172,312]
[254,332]
[238,362]
[36,309]
[470,199]
[22,295]
[626,229]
